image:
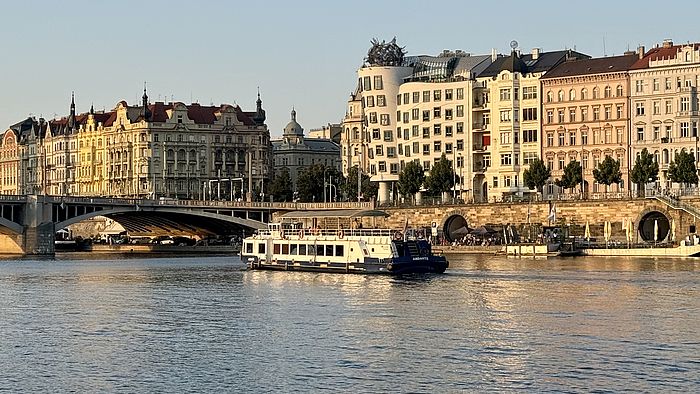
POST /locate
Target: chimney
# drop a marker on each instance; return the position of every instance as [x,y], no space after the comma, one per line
[640,51]
[535,53]
[494,56]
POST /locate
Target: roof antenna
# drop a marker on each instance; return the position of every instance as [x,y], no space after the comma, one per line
[605,54]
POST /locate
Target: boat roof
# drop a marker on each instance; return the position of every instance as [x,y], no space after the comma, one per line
[337,213]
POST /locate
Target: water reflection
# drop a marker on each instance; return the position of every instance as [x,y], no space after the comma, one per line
[490,323]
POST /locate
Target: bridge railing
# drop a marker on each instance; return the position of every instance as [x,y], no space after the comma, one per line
[144,202]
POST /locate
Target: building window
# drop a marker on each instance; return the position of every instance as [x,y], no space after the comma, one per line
[584,114]
[529,114]
[667,83]
[505,138]
[656,85]
[619,91]
[460,127]
[505,115]
[370,101]
[436,112]
[619,111]
[448,114]
[561,163]
[460,93]
[448,148]
[378,84]
[426,96]
[561,138]
[640,133]
[504,94]
[550,139]
[437,129]
[426,132]
[596,94]
[550,116]
[372,117]
[460,144]
[560,95]
[669,106]
[572,137]
[382,166]
[388,135]
[549,96]
[367,83]
[416,97]
[596,113]
[437,95]
[529,136]
[529,157]
[560,116]
[381,100]
[448,94]
[685,104]
[415,114]
[384,120]
[506,159]
[390,151]
[685,129]
[437,146]
[607,92]
[414,131]
[448,131]
[640,109]
[379,150]
[639,86]
[460,111]
[529,92]
[608,110]
[572,115]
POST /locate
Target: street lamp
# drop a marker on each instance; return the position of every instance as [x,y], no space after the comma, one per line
[454,175]
[324,184]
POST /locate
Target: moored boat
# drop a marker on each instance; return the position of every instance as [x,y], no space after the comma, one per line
[292,246]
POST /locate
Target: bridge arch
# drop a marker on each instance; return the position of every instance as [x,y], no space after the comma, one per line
[454,225]
[13,227]
[139,219]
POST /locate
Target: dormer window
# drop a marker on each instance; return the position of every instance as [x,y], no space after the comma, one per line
[179,119]
[228,121]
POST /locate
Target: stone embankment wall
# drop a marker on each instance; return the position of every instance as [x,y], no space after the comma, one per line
[574,213]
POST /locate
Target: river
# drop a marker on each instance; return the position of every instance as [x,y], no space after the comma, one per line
[202,324]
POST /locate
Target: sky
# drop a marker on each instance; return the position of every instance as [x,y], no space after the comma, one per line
[300,54]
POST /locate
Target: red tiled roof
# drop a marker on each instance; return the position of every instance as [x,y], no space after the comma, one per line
[659,53]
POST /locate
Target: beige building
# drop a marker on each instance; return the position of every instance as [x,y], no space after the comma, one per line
[664,103]
[410,109]
[586,118]
[147,151]
[507,114]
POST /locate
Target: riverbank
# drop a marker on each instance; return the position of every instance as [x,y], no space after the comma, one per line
[467,249]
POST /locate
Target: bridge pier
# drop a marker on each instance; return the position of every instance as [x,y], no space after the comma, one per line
[39,230]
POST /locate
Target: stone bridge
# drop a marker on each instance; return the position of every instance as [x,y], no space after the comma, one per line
[28,223]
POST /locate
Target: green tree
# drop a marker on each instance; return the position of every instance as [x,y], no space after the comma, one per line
[645,170]
[536,176]
[411,179]
[608,171]
[281,186]
[349,187]
[682,169]
[310,182]
[572,176]
[441,178]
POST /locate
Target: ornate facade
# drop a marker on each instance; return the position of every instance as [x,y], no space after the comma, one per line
[586,118]
[148,151]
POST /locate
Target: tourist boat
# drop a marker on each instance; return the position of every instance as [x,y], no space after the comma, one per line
[300,242]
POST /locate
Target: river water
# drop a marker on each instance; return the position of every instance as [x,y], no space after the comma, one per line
[489,324]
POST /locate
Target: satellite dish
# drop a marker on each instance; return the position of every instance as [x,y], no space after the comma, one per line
[513,44]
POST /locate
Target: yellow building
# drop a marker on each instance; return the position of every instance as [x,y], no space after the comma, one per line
[147,151]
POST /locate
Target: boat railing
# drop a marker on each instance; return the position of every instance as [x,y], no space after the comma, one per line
[340,233]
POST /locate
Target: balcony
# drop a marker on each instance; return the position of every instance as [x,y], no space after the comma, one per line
[480,147]
[479,126]
[666,140]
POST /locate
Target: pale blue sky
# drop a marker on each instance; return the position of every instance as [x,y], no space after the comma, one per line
[300,53]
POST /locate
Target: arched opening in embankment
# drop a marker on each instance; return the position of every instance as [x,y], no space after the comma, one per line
[651,220]
[455,227]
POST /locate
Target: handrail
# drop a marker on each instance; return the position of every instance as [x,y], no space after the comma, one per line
[676,204]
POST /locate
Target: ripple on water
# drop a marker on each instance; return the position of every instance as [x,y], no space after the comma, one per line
[490,324]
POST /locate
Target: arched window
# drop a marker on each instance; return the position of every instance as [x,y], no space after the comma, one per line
[549,96]
[572,94]
[608,92]
[596,92]
[584,94]
[560,96]
[619,91]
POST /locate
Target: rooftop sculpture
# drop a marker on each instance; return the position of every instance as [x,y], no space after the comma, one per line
[385,54]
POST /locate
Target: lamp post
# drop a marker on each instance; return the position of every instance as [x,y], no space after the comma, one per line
[454,175]
[324,184]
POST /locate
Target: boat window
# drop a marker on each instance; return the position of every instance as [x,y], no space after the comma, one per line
[285,249]
[276,248]
[261,248]
[319,250]
[329,250]
[249,247]
[293,249]
[302,249]
[339,250]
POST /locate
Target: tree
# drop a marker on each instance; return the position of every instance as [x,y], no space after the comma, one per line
[536,176]
[411,179]
[349,187]
[441,178]
[281,186]
[311,182]
[682,169]
[608,171]
[572,176]
[645,169]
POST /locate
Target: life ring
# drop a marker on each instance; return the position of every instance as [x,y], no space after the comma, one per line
[301,234]
[341,234]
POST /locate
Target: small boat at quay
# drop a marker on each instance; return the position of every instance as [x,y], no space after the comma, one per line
[304,241]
